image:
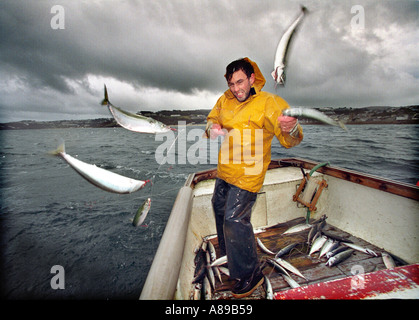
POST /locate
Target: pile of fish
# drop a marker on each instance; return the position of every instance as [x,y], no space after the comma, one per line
[321,245]
[207,269]
[334,248]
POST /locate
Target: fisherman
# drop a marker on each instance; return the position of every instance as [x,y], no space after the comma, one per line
[249,118]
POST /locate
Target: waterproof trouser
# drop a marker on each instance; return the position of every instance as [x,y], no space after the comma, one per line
[232,208]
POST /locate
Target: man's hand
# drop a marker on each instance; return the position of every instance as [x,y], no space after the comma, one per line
[287,124]
[213,130]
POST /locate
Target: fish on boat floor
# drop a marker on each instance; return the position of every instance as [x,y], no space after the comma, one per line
[313,268]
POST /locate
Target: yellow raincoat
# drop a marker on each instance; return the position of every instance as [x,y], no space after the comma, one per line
[246,150]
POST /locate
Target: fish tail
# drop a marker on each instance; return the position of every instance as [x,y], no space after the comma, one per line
[342,125]
[58,151]
[105,101]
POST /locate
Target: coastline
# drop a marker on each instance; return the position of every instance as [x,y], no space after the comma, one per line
[350,116]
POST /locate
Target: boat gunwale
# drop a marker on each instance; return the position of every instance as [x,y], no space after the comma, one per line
[387,185]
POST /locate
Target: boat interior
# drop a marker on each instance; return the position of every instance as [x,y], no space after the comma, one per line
[381,215]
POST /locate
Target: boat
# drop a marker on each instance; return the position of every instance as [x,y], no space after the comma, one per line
[374,213]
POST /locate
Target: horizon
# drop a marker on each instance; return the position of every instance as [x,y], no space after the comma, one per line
[156,112]
[55,59]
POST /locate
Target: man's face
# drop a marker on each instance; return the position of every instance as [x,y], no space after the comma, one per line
[240,85]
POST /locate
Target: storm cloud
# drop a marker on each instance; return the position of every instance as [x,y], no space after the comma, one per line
[161,54]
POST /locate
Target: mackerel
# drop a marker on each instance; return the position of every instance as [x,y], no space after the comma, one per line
[339,257]
[134,122]
[207,289]
[278,266]
[289,267]
[278,74]
[210,272]
[361,249]
[388,260]
[317,244]
[211,250]
[293,284]
[336,251]
[204,245]
[104,179]
[224,270]
[269,290]
[264,249]
[219,261]
[328,246]
[217,272]
[142,213]
[313,114]
[286,250]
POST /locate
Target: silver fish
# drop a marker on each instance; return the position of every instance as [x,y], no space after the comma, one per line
[264,249]
[211,250]
[269,290]
[317,244]
[298,228]
[224,270]
[207,289]
[339,258]
[313,114]
[204,245]
[134,122]
[290,281]
[278,74]
[361,249]
[328,246]
[278,266]
[312,233]
[289,267]
[104,179]
[286,250]
[335,251]
[217,272]
[210,272]
[142,213]
[388,260]
[219,261]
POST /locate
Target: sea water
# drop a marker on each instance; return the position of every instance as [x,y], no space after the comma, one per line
[50,216]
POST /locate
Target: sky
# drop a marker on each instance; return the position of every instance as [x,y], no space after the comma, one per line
[171,54]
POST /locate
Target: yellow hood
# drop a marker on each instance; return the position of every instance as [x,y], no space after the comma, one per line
[259,80]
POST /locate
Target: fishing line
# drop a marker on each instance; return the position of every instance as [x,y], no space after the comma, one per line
[161,164]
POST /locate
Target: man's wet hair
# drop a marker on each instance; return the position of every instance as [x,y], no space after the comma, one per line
[237,65]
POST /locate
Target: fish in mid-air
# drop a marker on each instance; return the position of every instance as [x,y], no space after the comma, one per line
[104,179]
[142,213]
[134,122]
[278,74]
[313,114]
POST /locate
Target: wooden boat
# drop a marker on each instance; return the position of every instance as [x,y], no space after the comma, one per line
[378,214]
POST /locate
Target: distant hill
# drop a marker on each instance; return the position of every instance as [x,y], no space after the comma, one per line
[367,115]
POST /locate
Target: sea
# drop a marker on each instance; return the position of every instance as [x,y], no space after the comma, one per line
[64,238]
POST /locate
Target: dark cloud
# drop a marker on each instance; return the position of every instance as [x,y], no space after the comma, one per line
[172,54]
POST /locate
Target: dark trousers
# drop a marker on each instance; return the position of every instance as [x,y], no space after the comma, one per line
[233,207]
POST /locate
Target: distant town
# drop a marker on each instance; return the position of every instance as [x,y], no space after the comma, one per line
[367,115]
